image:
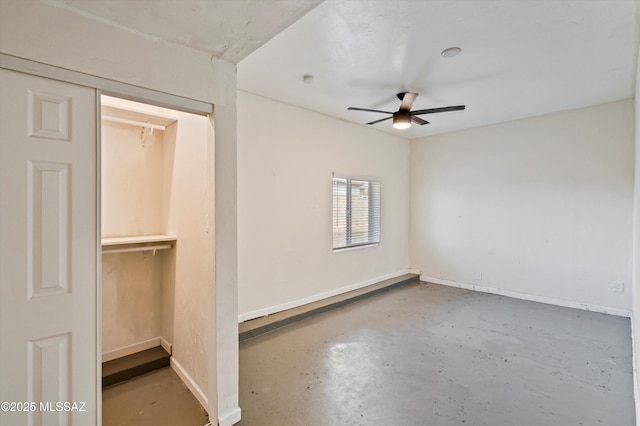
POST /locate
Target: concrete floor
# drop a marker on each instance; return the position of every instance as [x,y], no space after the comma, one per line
[158,398]
[434,355]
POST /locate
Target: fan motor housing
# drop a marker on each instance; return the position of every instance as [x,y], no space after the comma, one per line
[402,119]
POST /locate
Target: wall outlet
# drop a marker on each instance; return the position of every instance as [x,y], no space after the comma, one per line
[617,286]
[479,276]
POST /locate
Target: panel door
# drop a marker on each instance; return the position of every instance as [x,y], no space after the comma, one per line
[48,252]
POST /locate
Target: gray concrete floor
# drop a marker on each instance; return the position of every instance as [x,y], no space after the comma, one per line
[158,398]
[426,354]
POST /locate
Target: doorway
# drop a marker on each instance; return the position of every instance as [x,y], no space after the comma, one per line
[157,250]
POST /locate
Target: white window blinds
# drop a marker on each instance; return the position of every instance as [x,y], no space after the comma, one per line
[356,212]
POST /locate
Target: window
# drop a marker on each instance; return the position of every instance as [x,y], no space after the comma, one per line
[356,212]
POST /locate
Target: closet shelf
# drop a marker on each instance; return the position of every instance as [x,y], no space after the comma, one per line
[136,243]
[136,239]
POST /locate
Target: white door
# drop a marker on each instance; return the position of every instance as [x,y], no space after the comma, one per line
[48,252]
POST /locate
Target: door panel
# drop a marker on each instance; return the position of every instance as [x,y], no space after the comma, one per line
[48,252]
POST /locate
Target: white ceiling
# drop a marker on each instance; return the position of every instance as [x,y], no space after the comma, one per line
[519,58]
[228,29]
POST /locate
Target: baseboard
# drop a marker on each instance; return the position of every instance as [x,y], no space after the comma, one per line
[134,365]
[300,302]
[191,384]
[136,347]
[267,323]
[230,418]
[165,344]
[530,297]
[414,271]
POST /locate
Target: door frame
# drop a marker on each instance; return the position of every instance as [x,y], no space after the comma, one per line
[108,87]
[104,86]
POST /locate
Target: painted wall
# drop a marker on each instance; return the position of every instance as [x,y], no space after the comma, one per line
[185,214]
[286,156]
[540,206]
[131,300]
[32,30]
[635,324]
[131,181]
[131,205]
[223,299]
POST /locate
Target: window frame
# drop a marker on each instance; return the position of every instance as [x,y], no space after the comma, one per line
[373,222]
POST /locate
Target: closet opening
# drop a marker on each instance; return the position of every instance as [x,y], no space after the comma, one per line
[157,249]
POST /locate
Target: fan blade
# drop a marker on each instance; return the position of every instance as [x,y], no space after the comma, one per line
[382,119]
[408,99]
[434,110]
[370,110]
[419,120]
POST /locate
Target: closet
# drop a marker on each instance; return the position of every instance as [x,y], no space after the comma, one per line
[157,250]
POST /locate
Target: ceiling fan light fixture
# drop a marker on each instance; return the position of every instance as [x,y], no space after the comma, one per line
[405,116]
[402,120]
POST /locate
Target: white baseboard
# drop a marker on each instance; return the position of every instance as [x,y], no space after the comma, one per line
[531,297]
[191,384]
[294,304]
[414,271]
[230,418]
[136,347]
[166,345]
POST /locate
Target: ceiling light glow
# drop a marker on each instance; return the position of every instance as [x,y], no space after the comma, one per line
[401,120]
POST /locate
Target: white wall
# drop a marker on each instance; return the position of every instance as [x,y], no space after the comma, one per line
[132,300]
[223,299]
[185,215]
[286,156]
[131,181]
[32,29]
[131,205]
[635,325]
[540,206]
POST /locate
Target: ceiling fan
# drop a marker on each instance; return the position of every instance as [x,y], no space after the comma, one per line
[403,118]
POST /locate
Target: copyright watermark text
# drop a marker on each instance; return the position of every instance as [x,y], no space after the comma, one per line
[42,406]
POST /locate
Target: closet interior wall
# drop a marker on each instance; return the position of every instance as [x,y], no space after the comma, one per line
[135,290]
[156,183]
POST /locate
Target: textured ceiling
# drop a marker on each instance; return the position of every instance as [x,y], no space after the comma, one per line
[520,58]
[228,29]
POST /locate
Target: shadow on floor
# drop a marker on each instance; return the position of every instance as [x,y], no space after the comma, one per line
[158,398]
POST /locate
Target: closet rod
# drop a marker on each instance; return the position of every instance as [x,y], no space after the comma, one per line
[142,248]
[133,122]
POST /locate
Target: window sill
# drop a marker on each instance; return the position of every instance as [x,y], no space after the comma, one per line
[355,247]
